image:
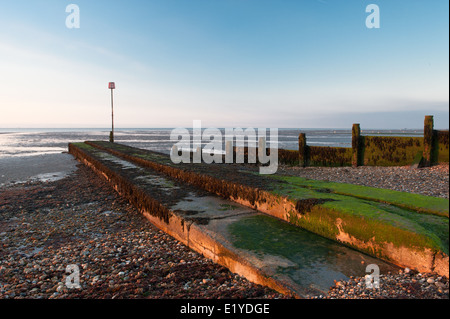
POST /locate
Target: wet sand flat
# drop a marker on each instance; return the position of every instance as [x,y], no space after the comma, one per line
[46,167]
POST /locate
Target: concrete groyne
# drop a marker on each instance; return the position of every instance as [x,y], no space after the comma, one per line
[188,227]
[396,227]
[259,247]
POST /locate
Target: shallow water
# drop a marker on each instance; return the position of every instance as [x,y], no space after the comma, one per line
[31,142]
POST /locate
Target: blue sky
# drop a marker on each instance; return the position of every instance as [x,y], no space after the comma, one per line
[229,63]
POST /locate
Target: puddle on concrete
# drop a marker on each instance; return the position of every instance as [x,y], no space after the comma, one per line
[311,261]
[211,207]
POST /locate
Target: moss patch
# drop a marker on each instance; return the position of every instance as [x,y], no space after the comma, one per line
[83,146]
[415,202]
[364,214]
[267,235]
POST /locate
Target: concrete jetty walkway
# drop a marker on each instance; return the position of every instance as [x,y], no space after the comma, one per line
[262,248]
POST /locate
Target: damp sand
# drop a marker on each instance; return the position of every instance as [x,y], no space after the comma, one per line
[46,167]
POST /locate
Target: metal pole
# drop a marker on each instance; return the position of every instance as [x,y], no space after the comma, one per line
[112,115]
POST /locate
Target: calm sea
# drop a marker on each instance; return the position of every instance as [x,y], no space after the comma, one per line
[30,142]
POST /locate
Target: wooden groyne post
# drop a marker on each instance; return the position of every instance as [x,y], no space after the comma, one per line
[428,144]
[302,150]
[356,145]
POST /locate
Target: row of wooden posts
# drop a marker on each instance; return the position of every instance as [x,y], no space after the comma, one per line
[358,144]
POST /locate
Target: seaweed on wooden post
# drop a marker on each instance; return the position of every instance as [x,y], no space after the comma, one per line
[302,150]
[356,145]
[428,140]
[440,146]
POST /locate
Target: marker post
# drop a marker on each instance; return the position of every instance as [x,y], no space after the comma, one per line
[112,87]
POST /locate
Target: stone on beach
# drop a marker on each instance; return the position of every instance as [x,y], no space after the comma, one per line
[118,252]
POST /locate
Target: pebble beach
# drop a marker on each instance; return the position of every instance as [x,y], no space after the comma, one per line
[407,284]
[79,220]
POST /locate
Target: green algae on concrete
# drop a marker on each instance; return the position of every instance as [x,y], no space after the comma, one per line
[365,219]
[311,261]
[84,146]
[416,202]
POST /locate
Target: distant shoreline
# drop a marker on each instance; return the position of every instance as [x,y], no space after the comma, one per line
[15,129]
